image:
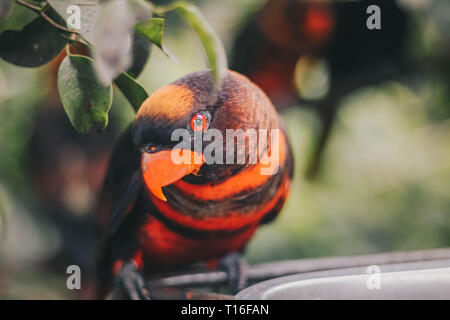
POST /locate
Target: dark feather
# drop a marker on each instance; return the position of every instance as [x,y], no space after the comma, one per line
[122,186]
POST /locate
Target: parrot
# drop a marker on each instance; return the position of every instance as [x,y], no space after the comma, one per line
[156,214]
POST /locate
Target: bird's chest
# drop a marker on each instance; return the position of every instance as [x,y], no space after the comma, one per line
[164,245]
[179,231]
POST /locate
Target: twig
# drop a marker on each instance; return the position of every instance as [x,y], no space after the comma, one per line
[41,11]
[53,23]
[75,38]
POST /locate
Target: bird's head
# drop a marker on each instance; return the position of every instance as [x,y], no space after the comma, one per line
[189,109]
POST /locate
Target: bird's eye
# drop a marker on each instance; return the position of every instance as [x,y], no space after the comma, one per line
[150,149]
[199,122]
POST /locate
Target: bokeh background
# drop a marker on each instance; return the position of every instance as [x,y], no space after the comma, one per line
[379,181]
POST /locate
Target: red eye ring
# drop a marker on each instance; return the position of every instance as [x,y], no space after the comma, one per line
[199,122]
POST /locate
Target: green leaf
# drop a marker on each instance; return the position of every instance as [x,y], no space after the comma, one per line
[132,90]
[215,52]
[85,99]
[153,30]
[35,45]
[108,26]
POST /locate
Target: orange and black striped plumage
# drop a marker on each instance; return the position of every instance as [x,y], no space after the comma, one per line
[207,214]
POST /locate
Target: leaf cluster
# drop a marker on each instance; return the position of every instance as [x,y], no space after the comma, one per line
[115,37]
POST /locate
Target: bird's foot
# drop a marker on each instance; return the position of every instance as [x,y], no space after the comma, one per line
[235,266]
[130,280]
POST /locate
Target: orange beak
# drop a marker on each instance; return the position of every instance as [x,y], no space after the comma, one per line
[159,169]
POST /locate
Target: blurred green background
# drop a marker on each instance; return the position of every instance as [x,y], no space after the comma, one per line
[384,183]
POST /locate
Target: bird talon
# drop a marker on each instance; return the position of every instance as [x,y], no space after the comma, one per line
[235,267]
[130,280]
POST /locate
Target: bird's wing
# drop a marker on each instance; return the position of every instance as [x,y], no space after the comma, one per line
[121,189]
[122,186]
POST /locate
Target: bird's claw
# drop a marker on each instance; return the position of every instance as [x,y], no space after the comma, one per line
[131,281]
[235,267]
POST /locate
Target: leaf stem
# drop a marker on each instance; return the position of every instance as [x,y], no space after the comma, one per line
[53,23]
[76,38]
